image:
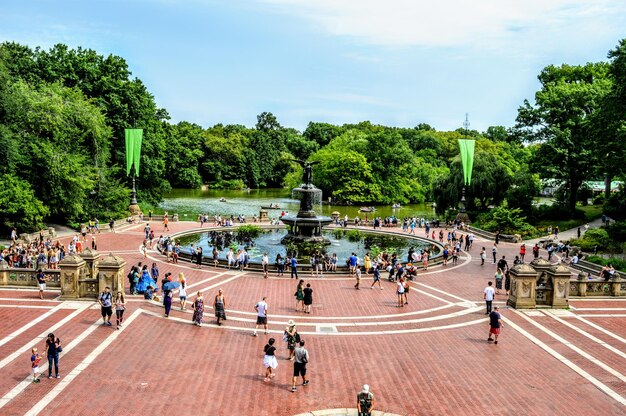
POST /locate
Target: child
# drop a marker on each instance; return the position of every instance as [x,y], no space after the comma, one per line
[35,358]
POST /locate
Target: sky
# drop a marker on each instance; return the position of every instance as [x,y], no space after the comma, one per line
[392,62]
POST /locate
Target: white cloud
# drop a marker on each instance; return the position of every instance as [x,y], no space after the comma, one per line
[444,22]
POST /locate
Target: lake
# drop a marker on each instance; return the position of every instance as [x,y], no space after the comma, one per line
[188,203]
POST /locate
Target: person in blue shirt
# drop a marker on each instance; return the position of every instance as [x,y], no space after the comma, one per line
[353,261]
[294,267]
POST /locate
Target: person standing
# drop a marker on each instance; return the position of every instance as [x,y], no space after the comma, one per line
[357,276]
[352,261]
[280,265]
[292,337]
[522,252]
[483,256]
[198,309]
[154,273]
[400,292]
[166,221]
[216,257]
[488,295]
[301,358]
[265,261]
[495,325]
[53,348]
[167,302]
[294,267]
[494,252]
[300,296]
[199,258]
[308,298]
[35,359]
[106,306]
[41,281]
[365,401]
[219,304]
[269,359]
[146,230]
[367,263]
[120,307]
[503,265]
[536,251]
[376,278]
[261,319]
[499,276]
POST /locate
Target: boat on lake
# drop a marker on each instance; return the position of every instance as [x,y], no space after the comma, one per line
[271,206]
[394,206]
[367,209]
[222,199]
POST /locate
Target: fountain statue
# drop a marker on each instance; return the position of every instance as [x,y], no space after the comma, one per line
[306,226]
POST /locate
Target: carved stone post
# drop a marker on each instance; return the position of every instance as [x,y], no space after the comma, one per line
[582,284]
[559,276]
[263,216]
[91,258]
[523,287]
[111,273]
[4,273]
[71,269]
[616,283]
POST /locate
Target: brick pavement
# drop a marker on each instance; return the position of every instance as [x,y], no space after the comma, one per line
[157,366]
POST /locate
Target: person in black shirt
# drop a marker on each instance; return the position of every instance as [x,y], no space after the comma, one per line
[495,325]
[502,264]
[41,280]
[269,359]
[53,348]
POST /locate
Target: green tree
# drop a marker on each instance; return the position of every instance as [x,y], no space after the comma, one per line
[19,207]
[559,121]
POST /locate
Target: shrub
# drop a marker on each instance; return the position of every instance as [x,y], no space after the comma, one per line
[248,231]
[591,238]
[354,235]
[617,263]
[598,200]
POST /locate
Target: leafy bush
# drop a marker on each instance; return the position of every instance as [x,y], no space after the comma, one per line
[229,184]
[338,233]
[591,238]
[557,212]
[599,200]
[354,235]
[617,231]
[617,263]
[248,231]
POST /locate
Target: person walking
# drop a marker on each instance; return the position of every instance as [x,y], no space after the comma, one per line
[261,319]
[365,401]
[308,298]
[488,295]
[182,291]
[154,273]
[53,348]
[35,359]
[219,304]
[301,359]
[495,325]
[41,281]
[198,309]
[300,296]
[499,276]
[376,278]
[106,306]
[120,307]
[357,276]
[503,265]
[269,359]
[199,258]
[167,302]
[265,262]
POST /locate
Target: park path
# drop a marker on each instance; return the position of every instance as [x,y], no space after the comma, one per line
[568,234]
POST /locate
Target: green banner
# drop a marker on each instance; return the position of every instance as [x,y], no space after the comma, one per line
[467,159]
[134,138]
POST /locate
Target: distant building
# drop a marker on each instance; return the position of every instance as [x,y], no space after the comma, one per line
[550,186]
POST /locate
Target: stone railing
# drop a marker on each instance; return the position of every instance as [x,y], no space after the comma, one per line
[584,287]
[29,238]
[27,277]
[491,236]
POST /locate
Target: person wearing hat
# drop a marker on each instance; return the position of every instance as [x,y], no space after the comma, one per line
[292,337]
[365,401]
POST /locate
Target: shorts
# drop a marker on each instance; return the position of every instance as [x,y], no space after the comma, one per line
[299,369]
[261,320]
[35,370]
[183,298]
[106,311]
[495,331]
[42,286]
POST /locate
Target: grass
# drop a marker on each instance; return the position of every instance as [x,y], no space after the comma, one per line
[591,213]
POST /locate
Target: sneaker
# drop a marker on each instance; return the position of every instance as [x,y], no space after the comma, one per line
[495,342]
[306,383]
[50,376]
[58,376]
[371,287]
[254,334]
[293,389]
[489,339]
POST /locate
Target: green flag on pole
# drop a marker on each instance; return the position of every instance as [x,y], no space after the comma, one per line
[133,149]
[467,159]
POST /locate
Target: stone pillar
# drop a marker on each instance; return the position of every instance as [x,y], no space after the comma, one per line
[582,284]
[91,259]
[52,232]
[615,283]
[71,268]
[559,276]
[263,216]
[4,273]
[111,273]
[523,287]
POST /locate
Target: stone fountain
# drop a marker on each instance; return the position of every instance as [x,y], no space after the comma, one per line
[306,226]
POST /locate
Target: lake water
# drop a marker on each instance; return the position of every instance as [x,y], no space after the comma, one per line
[188,203]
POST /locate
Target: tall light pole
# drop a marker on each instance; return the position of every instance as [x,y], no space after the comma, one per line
[466,125]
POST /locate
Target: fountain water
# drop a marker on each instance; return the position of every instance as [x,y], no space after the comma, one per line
[306,226]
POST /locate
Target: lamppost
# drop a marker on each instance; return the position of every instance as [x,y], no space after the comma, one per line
[133,138]
[466,147]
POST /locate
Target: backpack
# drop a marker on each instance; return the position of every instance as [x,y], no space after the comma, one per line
[365,399]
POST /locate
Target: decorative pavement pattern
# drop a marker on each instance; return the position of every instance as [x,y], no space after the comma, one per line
[430,357]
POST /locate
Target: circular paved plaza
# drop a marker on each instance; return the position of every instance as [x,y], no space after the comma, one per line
[429,357]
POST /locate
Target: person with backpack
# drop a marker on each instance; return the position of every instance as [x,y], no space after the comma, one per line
[365,401]
[106,306]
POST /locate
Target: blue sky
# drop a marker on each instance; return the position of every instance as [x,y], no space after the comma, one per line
[393,62]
